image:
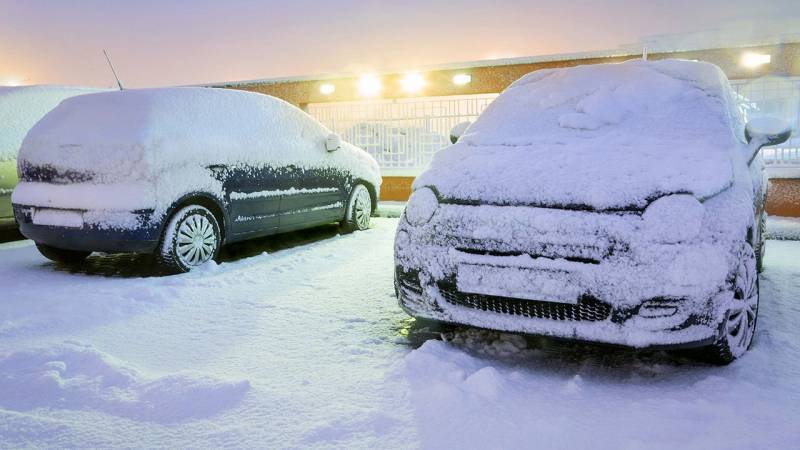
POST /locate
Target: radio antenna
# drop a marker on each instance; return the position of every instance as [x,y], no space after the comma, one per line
[111,65]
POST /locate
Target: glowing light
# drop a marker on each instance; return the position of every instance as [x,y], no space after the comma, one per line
[462,78]
[753,60]
[369,86]
[11,82]
[327,89]
[412,83]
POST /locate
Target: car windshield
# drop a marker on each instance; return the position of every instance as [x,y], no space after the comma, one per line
[611,104]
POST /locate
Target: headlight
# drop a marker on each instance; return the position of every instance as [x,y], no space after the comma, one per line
[674,218]
[421,206]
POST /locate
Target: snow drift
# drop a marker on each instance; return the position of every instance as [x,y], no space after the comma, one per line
[74,376]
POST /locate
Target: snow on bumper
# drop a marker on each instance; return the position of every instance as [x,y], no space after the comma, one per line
[571,274]
[118,217]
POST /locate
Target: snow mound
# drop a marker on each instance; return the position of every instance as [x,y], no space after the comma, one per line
[783,228]
[73,376]
[625,133]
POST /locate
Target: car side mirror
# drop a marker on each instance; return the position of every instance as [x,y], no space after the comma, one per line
[333,142]
[765,131]
[458,130]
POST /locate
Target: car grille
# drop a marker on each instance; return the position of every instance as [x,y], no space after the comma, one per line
[588,309]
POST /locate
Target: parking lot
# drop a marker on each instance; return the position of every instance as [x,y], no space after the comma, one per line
[297,341]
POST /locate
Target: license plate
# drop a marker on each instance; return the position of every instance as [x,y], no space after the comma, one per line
[58,218]
[517,282]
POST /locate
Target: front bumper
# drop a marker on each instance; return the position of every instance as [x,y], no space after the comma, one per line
[590,320]
[135,231]
[603,284]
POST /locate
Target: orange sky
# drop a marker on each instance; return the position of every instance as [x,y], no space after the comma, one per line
[155,43]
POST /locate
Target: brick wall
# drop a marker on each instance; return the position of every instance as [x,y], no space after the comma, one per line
[783,197]
[487,78]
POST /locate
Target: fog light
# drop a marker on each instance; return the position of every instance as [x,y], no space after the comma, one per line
[658,308]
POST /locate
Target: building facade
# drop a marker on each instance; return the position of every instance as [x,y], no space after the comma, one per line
[403,118]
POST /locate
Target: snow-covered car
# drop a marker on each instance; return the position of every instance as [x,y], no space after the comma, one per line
[20,108]
[181,171]
[614,203]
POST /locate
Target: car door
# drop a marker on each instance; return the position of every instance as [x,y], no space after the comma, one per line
[254,196]
[312,195]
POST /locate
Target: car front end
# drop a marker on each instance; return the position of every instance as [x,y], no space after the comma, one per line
[640,278]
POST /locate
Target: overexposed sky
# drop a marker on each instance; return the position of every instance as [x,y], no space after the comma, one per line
[163,42]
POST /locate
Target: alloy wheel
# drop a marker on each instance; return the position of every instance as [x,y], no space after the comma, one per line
[196,241]
[362,209]
[741,320]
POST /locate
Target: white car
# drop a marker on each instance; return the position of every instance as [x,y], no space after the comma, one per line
[615,203]
[180,172]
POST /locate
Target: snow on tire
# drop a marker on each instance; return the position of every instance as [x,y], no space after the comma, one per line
[359,209]
[191,239]
[739,325]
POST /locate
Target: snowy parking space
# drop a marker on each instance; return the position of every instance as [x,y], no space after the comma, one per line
[297,341]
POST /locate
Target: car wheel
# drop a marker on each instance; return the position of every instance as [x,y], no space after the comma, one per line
[192,238]
[359,209]
[61,255]
[739,326]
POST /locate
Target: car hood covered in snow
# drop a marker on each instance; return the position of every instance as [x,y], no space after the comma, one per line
[604,136]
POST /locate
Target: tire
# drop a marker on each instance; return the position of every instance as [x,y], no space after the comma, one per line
[359,210]
[759,246]
[191,238]
[739,326]
[62,256]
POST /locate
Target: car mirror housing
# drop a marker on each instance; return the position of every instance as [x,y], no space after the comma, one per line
[458,130]
[765,131]
[333,142]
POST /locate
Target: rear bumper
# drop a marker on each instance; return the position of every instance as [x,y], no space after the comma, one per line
[92,236]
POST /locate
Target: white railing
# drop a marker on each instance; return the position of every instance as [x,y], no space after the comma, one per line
[781,157]
[402,134]
[776,96]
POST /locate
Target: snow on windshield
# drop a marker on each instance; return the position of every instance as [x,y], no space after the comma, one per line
[625,133]
[617,103]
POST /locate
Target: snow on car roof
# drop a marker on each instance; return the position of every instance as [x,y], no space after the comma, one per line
[604,136]
[168,127]
[22,106]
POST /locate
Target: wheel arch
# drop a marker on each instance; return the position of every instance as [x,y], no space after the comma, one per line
[373,192]
[206,200]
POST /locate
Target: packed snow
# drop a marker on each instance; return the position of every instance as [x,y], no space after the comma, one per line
[145,136]
[639,129]
[297,341]
[22,106]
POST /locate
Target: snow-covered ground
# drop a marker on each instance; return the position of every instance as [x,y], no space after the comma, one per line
[304,346]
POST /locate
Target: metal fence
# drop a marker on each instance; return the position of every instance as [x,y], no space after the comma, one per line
[777,97]
[402,134]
